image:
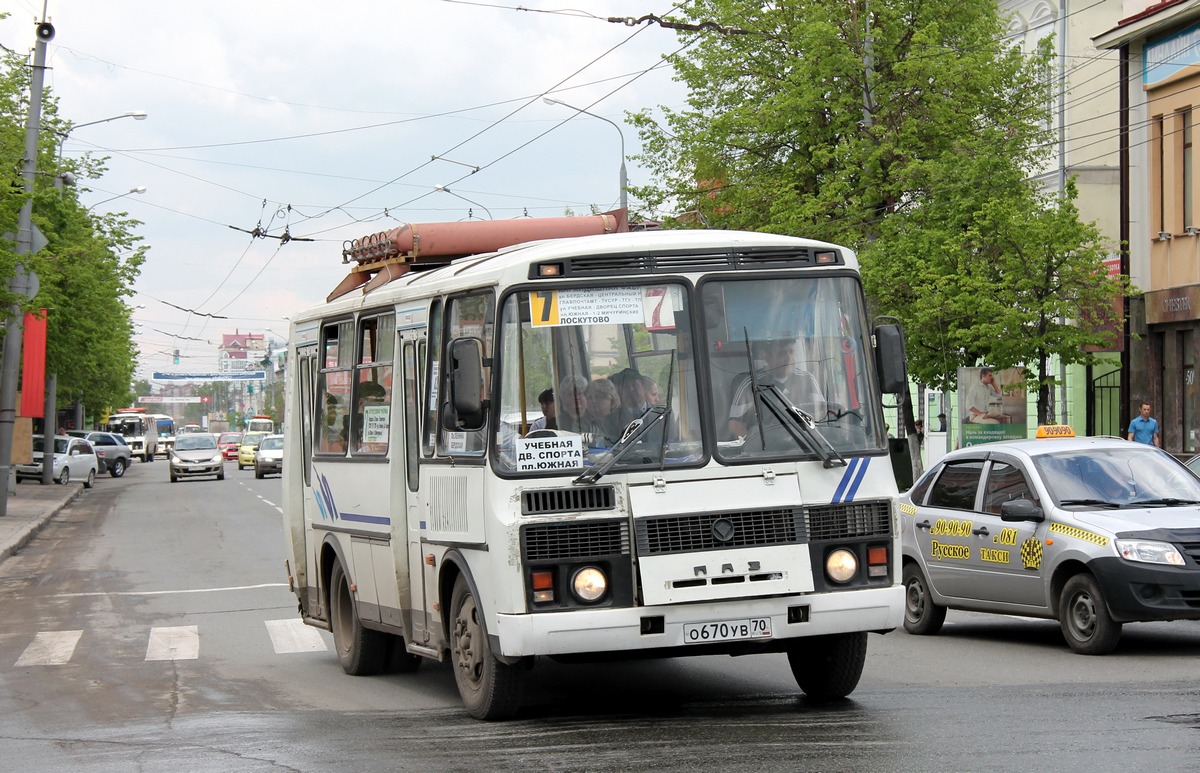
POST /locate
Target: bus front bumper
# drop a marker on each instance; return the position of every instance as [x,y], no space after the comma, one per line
[664,627]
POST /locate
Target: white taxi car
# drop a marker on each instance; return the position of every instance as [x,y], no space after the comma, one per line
[1092,532]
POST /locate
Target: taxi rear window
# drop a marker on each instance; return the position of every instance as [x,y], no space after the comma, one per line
[956,486]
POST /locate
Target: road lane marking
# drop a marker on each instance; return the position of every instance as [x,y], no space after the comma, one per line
[181,642]
[50,648]
[168,592]
[292,635]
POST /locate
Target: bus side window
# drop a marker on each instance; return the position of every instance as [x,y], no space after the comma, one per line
[470,316]
[333,387]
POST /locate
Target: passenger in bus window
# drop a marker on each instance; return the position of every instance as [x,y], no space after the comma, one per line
[604,411]
[631,385]
[572,405]
[333,427]
[548,419]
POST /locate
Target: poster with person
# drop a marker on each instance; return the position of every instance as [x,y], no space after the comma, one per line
[992,405]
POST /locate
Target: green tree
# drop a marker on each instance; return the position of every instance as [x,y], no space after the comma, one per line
[87,271]
[908,130]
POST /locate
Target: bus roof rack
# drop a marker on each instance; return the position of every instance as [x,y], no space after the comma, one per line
[387,255]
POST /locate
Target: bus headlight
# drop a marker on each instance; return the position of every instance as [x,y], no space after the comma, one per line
[841,565]
[589,584]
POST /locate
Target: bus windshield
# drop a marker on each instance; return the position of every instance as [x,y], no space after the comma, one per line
[579,367]
[801,339]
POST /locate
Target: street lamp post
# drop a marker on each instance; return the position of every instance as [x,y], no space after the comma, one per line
[138,189]
[137,115]
[23,282]
[624,180]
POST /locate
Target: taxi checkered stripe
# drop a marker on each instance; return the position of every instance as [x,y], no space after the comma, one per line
[1031,553]
[908,509]
[1077,533]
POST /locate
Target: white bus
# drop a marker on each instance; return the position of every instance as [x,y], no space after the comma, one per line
[138,429]
[432,510]
[165,427]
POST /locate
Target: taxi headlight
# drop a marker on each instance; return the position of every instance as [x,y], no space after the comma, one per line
[589,584]
[1149,552]
[841,565]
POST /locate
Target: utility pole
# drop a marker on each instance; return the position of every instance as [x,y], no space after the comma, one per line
[23,282]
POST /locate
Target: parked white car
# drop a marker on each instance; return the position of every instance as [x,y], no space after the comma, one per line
[74,459]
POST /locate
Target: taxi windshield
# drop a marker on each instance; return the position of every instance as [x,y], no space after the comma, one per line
[1109,478]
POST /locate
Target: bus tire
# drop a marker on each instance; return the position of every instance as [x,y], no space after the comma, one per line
[1083,614]
[362,651]
[922,617]
[489,689]
[827,668]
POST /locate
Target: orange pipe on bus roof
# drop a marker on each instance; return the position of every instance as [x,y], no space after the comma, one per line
[479,236]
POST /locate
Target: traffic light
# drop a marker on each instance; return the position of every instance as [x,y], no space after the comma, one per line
[249,389]
[176,356]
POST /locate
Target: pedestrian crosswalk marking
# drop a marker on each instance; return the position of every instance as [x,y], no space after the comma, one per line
[50,648]
[180,642]
[292,635]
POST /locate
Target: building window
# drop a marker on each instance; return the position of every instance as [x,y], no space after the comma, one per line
[1160,193]
[1189,212]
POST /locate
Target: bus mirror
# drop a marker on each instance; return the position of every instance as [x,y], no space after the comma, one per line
[890,359]
[466,382]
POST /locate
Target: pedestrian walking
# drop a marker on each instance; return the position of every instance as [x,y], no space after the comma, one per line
[1144,429]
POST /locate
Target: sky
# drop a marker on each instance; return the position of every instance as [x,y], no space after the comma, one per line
[332,121]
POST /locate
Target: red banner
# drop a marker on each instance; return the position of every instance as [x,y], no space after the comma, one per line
[33,373]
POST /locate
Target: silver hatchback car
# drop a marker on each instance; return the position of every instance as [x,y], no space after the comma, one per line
[196,456]
[1092,532]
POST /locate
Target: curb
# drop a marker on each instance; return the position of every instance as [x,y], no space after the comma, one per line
[33,527]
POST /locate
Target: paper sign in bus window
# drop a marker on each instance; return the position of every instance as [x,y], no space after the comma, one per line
[588,306]
[375,423]
[550,453]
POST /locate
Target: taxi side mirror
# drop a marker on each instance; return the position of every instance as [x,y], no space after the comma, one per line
[1021,510]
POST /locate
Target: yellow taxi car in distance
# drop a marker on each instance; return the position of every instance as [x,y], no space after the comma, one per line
[248,450]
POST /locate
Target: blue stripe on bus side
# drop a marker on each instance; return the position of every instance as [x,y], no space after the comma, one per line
[382,520]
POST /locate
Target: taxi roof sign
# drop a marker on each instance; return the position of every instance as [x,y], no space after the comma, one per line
[1054,431]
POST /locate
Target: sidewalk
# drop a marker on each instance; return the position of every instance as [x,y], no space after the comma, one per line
[29,510]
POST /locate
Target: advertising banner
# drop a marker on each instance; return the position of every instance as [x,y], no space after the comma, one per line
[992,405]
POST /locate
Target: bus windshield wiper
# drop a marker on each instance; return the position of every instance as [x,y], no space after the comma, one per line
[799,424]
[638,427]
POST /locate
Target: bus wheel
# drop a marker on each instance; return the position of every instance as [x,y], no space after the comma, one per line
[827,668]
[361,651]
[489,689]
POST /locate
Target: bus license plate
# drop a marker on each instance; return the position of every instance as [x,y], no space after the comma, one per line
[727,630]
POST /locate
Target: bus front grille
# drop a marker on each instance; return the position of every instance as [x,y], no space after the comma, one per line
[566,500]
[846,520]
[578,539]
[715,531]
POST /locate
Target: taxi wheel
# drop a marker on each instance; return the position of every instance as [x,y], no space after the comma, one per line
[90,480]
[362,651]
[922,617]
[1083,614]
[828,668]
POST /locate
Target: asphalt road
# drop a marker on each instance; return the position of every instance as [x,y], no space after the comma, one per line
[149,628]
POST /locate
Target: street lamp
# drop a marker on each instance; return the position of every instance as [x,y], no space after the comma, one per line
[137,115]
[624,179]
[139,189]
[444,189]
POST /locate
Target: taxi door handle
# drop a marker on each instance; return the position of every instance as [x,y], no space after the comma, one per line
[923,525]
[980,532]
